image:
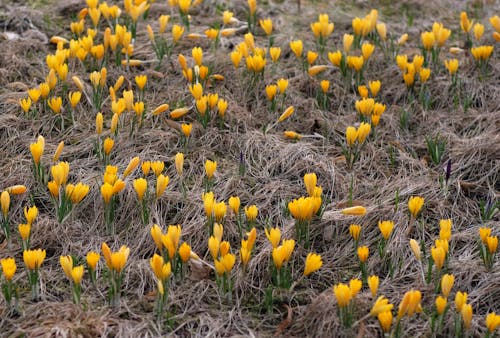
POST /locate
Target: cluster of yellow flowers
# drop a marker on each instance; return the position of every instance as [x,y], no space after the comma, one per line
[111,38]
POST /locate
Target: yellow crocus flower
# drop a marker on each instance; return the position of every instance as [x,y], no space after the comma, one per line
[313,263]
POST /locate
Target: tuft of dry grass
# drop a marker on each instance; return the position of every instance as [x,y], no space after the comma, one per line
[274,170]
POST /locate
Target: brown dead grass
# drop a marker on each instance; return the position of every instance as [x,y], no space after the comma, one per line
[275,167]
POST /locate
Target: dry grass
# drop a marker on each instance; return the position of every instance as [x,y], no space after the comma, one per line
[274,170]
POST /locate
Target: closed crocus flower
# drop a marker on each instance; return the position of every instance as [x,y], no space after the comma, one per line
[221,107]
[219,211]
[197,54]
[310,181]
[386,228]
[355,62]
[354,231]
[184,252]
[196,90]
[445,229]
[77,274]
[351,134]
[55,104]
[156,234]
[5,203]
[92,260]
[478,31]
[460,300]
[37,151]
[439,256]
[378,109]
[133,163]
[156,262]
[279,256]
[179,163]
[296,47]
[315,70]
[186,129]
[451,65]
[25,104]
[288,245]
[177,32]
[325,85]
[169,245]
[53,188]
[213,247]
[139,109]
[313,263]
[161,184]
[367,50]
[24,231]
[115,260]
[373,282]
[282,85]
[363,252]
[236,57]
[374,87]
[274,236]
[266,25]
[342,294]
[158,110]
[9,268]
[30,214]
[98,123]
[385,320]
[484,233]
[466,315]
[410,303]
[415,247]
[157,167]
[428,40]
[80,191]
[440,304]
[381,305]
[364,130]
[245,253]
[492,244]
[210,167]
[465,23]
[224,248]
[424,74]
[381,30]
[292,135]
[275,53]
[251,213]
[335,58]
[286,114]
[234,204]
[271,91]
[443,244]
[355,286]
[228,261]
[140,186]
[66,264]
[347,41]
[492,321]
[141,80]
[354,211]
[33,259]
[446,284]
[415,204]
[107,145]
[311,57]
